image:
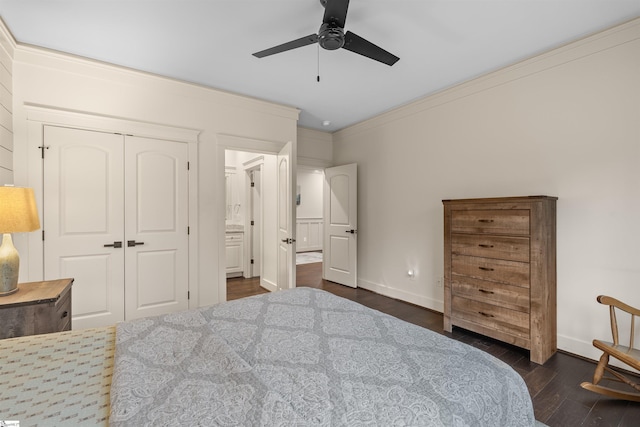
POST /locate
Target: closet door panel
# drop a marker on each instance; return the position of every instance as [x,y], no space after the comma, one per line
[157,276]
[156,203]
[83,211]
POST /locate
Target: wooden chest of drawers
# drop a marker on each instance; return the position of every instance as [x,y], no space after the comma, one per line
[500,270]
[37,308]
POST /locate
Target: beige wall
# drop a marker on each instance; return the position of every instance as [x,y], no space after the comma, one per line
[70,84]
[315,148]
[6,108]
[565,124]
[310,183]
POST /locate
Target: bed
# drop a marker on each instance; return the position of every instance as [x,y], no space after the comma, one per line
[296,357]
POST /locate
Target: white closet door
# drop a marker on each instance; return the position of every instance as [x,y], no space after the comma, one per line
[156,202]
[83,209]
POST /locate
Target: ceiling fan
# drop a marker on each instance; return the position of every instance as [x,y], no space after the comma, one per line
[331,36]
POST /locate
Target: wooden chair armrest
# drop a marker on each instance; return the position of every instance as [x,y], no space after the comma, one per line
[606,300]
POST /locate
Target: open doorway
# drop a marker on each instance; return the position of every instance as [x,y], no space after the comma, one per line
[248,177]
[278,208]
[309,215]
[250,195]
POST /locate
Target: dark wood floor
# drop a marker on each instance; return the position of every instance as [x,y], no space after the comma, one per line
[558,399]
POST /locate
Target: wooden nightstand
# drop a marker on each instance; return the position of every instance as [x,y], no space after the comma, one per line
[37,308]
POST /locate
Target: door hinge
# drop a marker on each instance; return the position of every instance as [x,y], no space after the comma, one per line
[188,230]
[253,222]
[251,261]
[188,165]
[42,148]
[43,235]
[188,295]
[253,184]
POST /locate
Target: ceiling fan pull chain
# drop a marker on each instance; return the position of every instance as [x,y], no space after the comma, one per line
[318,63]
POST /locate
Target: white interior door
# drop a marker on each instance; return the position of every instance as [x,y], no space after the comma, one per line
[83,221]
[340,199]
[286,217]
[157,245]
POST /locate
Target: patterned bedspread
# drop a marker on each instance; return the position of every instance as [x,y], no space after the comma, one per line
[60,379]
[305,357]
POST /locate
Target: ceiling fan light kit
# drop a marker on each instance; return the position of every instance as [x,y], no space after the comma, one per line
[331,36]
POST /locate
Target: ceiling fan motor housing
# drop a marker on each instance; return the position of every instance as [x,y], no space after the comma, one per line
[331,36]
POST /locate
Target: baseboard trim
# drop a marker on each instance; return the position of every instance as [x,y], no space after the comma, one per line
[586,350]
[402,295]
[266,284]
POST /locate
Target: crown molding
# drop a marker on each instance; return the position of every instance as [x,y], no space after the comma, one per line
[7,41]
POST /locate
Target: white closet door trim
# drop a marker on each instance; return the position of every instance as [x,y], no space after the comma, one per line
[61,117]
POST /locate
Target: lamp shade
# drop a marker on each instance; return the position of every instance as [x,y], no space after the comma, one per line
[18,212]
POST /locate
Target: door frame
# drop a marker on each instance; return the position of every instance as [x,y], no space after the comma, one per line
[237,143]
[39,116]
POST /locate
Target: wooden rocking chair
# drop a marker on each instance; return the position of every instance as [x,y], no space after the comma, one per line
[626,354]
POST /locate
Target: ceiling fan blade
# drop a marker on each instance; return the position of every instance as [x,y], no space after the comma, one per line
[336,11]
[357,44]
[303,41]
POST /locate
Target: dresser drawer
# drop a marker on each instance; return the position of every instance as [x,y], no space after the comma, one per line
[500,221]
[498,247]
[490,316]
[515,273]
[507,296]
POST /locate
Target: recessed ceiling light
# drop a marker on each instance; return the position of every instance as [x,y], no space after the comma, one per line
[326,123]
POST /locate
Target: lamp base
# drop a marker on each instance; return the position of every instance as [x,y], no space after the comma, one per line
[4,294]
[9,266]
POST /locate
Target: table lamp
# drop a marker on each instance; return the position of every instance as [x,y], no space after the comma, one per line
[18,214]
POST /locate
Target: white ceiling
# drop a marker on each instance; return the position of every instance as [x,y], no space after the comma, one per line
[440,43]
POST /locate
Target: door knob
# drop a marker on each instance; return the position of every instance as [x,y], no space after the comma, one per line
[351,231]
[131,243]
[113,245]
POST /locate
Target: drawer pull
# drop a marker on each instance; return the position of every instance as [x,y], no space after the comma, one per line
[486,221]
[486,314]
[484,291]
[485,268]
[64,314]
[485,246]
